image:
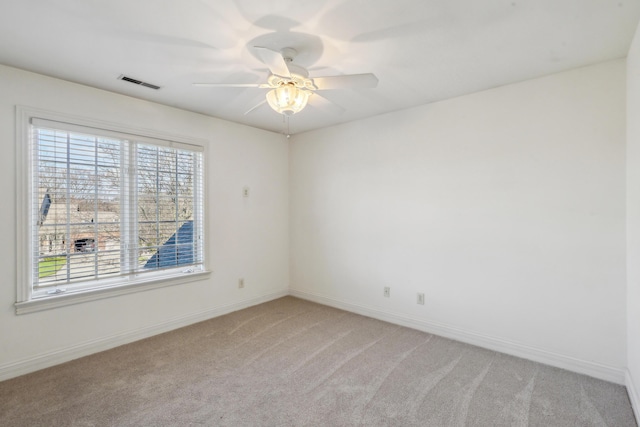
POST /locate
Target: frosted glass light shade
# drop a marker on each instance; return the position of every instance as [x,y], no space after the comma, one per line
[288,99]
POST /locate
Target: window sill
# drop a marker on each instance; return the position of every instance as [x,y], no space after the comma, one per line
[55,301]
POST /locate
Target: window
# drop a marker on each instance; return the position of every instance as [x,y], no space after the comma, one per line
[107,209]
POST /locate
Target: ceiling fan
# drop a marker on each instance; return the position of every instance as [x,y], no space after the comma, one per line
[290,84]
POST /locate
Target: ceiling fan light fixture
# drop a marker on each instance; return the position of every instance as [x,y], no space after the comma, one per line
[288,99]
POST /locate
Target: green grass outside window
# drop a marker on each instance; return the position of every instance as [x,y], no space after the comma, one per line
[50,266]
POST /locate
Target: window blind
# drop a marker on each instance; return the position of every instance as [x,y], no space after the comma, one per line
[107,205]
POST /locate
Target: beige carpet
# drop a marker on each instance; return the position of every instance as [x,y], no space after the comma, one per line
[293,363]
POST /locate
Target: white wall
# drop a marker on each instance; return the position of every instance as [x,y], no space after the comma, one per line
[247,237]
[633,222]
[505,207]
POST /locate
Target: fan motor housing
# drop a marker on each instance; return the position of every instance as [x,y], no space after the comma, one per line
[301,81]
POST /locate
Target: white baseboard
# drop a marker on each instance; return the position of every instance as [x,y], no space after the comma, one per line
[32,364]
[634,395]
[607,373]
[596,370]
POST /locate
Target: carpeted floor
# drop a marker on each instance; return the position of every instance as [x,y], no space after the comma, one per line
[293,363]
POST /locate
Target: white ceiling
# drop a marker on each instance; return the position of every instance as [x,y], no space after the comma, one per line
[420,50]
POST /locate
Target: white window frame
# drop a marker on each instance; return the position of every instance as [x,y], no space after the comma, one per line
[25,301]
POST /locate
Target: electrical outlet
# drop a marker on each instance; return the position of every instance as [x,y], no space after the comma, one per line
[387,291]
[240,283]
[420,298]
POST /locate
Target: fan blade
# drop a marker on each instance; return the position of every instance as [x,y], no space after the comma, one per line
[274,60]
[322,103]
[349,81]
[258,85]
[260,104]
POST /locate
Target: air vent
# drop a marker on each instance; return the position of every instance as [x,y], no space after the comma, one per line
[138,82]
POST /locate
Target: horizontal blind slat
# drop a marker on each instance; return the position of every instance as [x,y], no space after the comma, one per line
[70,127]
[80,170]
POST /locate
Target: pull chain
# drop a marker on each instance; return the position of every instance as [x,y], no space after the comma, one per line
[285,123]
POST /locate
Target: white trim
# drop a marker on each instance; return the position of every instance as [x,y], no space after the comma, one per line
[62,300]
[23,180]
[26,301]
[596,370]
[31,112]
[55,357]
[634,394]
[106,131]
